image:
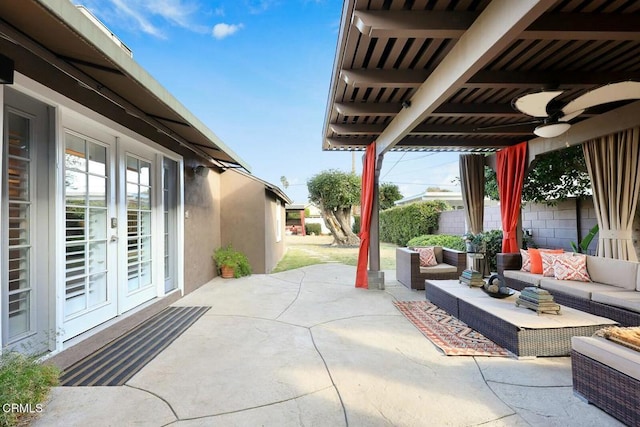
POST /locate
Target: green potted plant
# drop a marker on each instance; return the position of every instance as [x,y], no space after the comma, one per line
[474,242]
[231,263]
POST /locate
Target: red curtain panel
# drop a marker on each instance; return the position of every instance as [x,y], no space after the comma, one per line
[512,163]
[366,204]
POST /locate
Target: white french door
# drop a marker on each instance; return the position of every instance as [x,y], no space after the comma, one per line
[110,215]
[90,244]
[138,213]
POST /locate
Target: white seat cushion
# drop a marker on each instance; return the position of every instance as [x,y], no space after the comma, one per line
[616,356]
[629,300]
[575,288]
[523,276]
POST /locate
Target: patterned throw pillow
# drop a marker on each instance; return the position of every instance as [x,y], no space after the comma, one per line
[526,260]
[571,267]
[536,258]
[427,257]
[548,260]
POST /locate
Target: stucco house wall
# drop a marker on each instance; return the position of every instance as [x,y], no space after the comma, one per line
[248,214]
[202,234]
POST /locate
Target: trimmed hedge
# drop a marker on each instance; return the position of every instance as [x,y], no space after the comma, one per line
[444,240]
[400,224]
[312,228]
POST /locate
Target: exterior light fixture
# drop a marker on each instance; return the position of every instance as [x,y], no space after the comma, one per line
[6,70]
[406,103]
[551,130]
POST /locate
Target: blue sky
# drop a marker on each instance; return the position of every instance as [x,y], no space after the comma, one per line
[257,73]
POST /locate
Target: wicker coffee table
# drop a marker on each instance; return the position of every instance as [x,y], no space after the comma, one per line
[518,329]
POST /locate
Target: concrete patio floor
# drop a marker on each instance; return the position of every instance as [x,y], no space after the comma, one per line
[304,347]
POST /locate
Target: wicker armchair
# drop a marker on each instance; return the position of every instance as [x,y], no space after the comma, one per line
[410,274]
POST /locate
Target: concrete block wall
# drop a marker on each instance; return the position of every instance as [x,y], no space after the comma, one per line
[551,226]
[453,222]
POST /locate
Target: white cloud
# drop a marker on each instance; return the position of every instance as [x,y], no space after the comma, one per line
[223,30]
[149,16]
[130,10]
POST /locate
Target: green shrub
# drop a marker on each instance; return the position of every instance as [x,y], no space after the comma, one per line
[400,224]
[493,244]
[312,229]
[444,240]
[227,256]
[356,224]
[24,381]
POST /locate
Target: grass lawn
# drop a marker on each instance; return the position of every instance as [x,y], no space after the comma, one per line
[24,383]
[309,250]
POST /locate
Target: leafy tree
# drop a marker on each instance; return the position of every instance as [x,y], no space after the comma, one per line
[284,181]
[437,190]
[389,193]
[555,176]
[335,192]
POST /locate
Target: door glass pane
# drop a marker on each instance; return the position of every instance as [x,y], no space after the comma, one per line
[97,224]
[18,204]
[170,207]
[97,289]
[75,188]
[145,170]
[18,178]
[97,159]
[139,245]
[97,191]
[19,322]
[132,197]
[74,153]
[86,224]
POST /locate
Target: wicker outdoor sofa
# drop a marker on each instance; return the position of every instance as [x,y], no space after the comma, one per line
[614,291]
[451,263]
[607,375]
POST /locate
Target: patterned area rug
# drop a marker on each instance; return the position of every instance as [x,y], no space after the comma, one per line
[448,333]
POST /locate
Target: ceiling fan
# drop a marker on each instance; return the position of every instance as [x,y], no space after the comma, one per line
[554,118]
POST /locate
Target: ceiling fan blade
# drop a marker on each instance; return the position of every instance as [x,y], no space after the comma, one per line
[531,122]
[603,95]
[535,104]
[570,116]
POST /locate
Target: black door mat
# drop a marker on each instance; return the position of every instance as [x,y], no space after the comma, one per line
[115,363]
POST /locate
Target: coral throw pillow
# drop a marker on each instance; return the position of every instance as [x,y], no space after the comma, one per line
[536,259]
[526,260]
[570,267]
[427,257]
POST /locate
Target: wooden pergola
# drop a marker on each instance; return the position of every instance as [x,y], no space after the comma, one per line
[440,75]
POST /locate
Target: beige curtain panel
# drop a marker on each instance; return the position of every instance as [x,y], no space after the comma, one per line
[472,185]
[613,162]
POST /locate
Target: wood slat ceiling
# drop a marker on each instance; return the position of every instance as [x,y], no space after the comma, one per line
[389,48]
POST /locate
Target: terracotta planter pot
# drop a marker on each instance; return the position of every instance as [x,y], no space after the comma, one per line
[227,272]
